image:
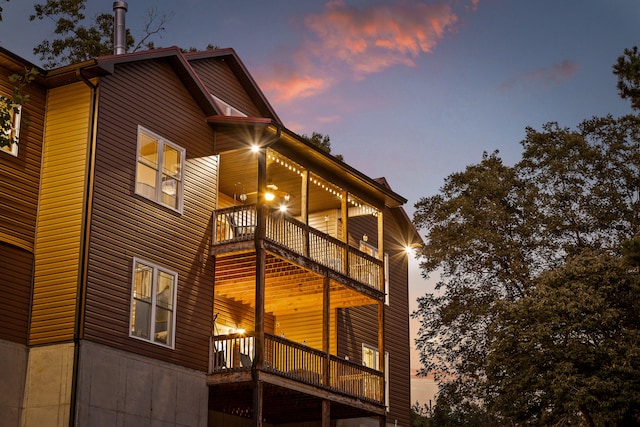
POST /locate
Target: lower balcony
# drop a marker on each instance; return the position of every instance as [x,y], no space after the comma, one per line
[297,365]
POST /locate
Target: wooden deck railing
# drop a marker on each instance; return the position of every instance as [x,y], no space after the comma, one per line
[297,362]
[238,223]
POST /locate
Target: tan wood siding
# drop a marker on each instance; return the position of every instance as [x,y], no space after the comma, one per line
[125,225]
[234,314]
[60,219]
[221,82]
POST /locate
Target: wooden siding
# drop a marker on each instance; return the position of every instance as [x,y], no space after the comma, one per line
[16,293]
[359,325]
[60,219]
[396,316]
[125,225]
[238,315]
[303,328]
[20,176]
[221,82]
[19,185]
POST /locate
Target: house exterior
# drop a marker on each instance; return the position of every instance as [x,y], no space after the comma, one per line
[174,255]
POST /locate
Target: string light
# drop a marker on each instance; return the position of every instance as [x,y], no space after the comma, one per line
[330,188]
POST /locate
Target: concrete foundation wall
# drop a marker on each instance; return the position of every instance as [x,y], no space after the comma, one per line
[13,368]
[47,392]
[117,388]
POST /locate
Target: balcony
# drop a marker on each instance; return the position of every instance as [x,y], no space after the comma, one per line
[296,362]
[234,229]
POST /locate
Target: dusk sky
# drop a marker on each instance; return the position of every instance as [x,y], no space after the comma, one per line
[409,90]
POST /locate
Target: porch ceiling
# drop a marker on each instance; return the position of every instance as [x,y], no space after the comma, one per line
[239,174]
[289,288]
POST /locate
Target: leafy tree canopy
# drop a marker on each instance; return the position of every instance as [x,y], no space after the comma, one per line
[77,41]
[525,325]
[628,71]
[10,105]
[323,142]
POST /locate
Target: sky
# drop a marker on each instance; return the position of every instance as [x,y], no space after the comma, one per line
[410,90]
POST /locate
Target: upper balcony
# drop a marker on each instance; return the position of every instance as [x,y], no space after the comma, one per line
[235,227]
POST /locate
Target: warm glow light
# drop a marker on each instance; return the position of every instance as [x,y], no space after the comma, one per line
[255,148]
[269,197]
[283,208]
[408,250]
[240,331]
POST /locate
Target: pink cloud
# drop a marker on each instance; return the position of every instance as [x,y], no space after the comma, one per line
[546,76]
[349,42]
[371,39]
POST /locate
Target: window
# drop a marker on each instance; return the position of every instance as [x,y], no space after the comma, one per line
[153,303]
[226,108]
[159,170]
[370,356]
[368,248]
[13,134]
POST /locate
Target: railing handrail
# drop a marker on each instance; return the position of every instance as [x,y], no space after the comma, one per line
[238,223]
[298,362]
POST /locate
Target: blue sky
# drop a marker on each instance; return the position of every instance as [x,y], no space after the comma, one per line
[406,89]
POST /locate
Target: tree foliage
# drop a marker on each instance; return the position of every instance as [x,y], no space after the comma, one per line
[569,352]
[525,325]
[76,41]
[321,141]
[9,105]
[627,68]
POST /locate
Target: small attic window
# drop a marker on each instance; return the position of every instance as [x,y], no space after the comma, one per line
[227,109]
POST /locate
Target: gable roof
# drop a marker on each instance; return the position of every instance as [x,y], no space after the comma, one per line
[286,140]
[242,74]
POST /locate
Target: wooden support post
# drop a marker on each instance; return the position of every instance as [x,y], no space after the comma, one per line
[344,212]
[326,413]
[261,260]
[326,328]
[381,248]
[304,209]
[257,401]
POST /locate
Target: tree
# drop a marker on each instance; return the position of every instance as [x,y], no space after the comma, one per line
[569,352]
[321,141]
[493,230]
[77,42]
[627,68]
[10,105]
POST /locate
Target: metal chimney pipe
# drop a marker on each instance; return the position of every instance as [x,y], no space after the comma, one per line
[119,28]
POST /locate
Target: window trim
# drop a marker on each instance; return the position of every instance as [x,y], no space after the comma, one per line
[376,355]
[14,133]
[158,189]
[153,304]
[226,108]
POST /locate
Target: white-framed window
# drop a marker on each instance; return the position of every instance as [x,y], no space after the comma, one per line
[159,169]
[368,248]
[370,356]
[153,297]
[226,108]
[13,134]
